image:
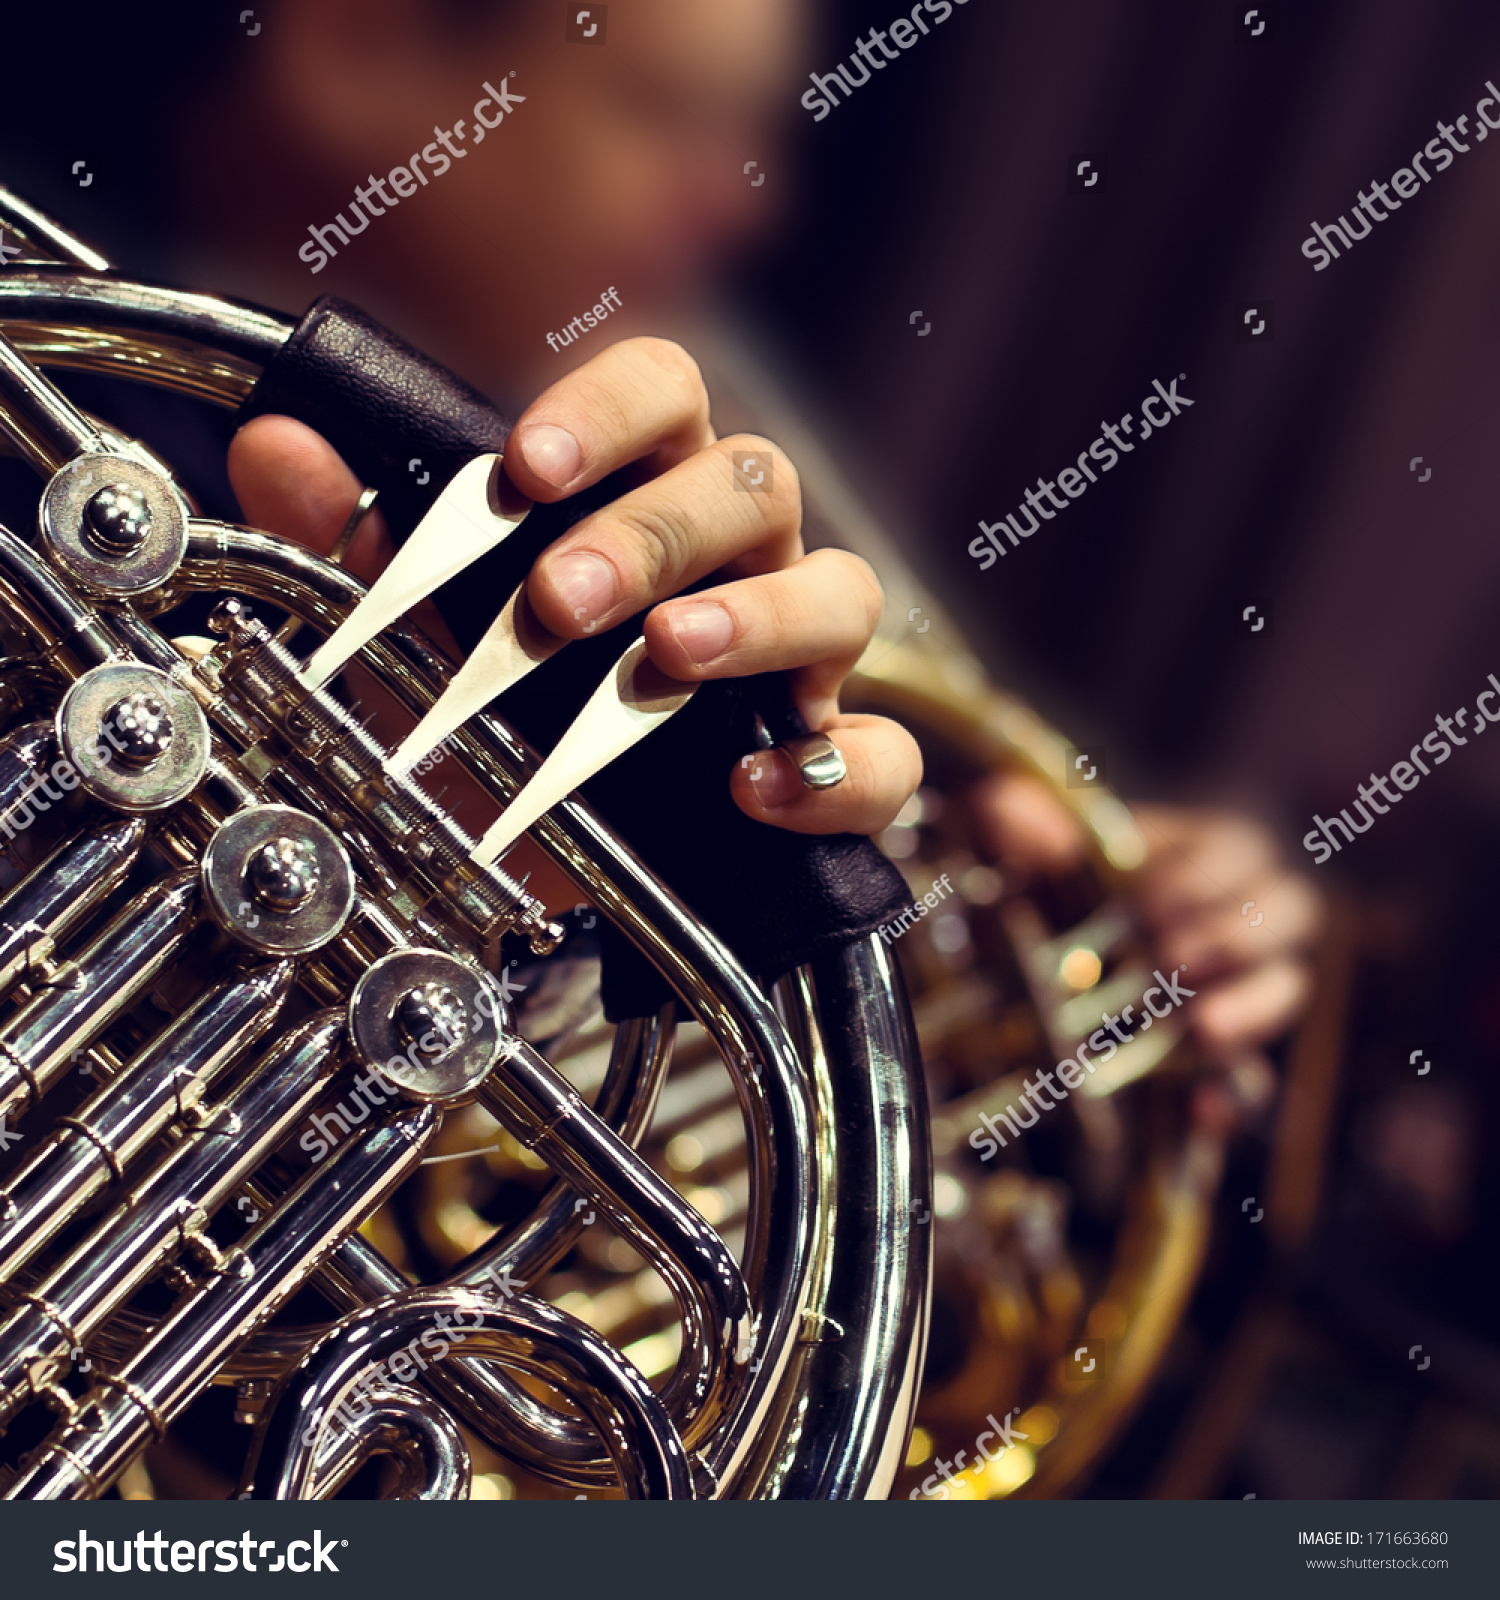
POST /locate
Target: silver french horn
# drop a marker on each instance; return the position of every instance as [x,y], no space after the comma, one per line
[226,922]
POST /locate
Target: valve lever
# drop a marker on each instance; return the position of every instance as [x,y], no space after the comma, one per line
[635,698]
[514,643]
[466,521]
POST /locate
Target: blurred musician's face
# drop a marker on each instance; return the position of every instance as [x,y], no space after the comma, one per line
[624,167]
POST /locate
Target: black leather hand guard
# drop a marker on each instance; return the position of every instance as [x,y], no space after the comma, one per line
[776,898]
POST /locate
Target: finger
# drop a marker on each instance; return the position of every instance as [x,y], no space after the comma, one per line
[1251,1079]
[884,769]
[1274,919]
[678,528]
[1238,1097]
[1025,825]
[1197,858]
[1251,1009]
[1179,827]
[291,481]
[818,614]
[641,399]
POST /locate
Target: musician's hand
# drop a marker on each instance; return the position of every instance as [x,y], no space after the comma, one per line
[1216,896]
[777,608]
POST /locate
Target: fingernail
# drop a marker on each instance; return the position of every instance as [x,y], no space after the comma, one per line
[586,583]
[703,629]
[818,760]
[552,453]
[774,779]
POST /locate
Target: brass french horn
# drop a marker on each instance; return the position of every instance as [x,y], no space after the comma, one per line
[1064,1262]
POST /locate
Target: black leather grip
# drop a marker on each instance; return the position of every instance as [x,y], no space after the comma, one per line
[402,422]
[776,898]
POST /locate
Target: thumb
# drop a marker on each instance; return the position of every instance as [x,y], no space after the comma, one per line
[291,481]
[1025,825]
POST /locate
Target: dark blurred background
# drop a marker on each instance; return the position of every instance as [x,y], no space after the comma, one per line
[942,188]
[1289,480]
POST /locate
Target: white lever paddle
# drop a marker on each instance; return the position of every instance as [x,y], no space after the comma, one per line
[466,521]
[514,643]
[635,698]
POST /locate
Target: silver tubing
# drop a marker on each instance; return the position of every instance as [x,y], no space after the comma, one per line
[537,1105]
[689,1255]
[527,1334]
[777,1431]
[24,753]
[91,1149]
[506,1415]
[868,1321]
[639,1057]
[84,1455]
[61,629]
[104,980]
[430,1452]
[774,1095]
[61,295]
[44,427]
[38,228]
[61,890]
[150,1226]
